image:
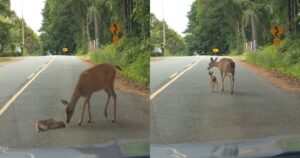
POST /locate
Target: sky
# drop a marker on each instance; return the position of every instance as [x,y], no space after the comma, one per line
[175,12]
[32,12]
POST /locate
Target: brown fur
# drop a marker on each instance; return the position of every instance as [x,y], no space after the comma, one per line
[226,67]
[212,81]
[44,125]
[96,78]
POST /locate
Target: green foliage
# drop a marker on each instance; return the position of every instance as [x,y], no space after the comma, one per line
[131,55]
[4,59]
[228,24]
[208,28]
[285,60]
[174,42]
[11,36]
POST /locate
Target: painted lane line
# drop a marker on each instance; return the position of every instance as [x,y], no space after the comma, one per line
[189,65]
[154,94]
[174,74]
[11,100]
[30,76]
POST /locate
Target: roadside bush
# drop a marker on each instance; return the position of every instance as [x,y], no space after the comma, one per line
[285,60]
[132,55]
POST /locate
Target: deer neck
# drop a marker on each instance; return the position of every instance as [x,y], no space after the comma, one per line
[217,64]
[75,98]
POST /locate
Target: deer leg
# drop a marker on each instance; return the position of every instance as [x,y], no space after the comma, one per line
[107,101]
[115,106]
[83,108]
[223,76]
[232,83]
[89,109]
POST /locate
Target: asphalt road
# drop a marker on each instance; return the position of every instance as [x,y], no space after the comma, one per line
[187,112]
[162,70]
[41,100]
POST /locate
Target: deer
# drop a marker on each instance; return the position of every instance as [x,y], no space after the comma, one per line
[226,67]
[212,81]
[97,78]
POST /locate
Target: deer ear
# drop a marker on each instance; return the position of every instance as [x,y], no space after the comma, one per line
[216,58]
[64,102]
[211,59]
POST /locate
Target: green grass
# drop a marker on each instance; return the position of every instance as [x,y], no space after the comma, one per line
[285,60]
[135,149]
[132,55]
[4,59]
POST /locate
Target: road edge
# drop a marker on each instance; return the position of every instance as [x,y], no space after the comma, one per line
[277,79]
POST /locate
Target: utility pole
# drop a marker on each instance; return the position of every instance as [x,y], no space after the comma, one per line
[23,32]
[164,30]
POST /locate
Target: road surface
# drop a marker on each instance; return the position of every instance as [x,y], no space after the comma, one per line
[41,100]
[187,112]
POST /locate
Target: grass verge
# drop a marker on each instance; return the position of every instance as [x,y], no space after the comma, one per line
[285,60]
[132,55]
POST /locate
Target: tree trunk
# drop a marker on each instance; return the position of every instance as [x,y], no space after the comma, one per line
[295,15]
[237,33]
[96,30]
[253,29]
[88,33]
[243,35]
[127,13]
[290,17]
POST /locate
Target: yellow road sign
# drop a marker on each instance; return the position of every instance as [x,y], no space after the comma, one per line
[65,49]
[277,30]
[115,28]
[215,50]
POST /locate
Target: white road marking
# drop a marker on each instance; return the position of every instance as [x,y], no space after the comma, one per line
[189,65]
[11,100]
[154,94]
[174,74]
[30,76]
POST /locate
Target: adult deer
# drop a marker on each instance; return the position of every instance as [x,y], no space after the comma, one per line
[96,78]
[226,67]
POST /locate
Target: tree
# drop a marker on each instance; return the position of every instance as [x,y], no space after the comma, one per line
[174,42]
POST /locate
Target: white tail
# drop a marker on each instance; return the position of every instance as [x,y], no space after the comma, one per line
[226,67]
[96,78]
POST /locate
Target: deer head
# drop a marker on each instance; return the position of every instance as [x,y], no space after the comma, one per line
[212,63]
[69,109]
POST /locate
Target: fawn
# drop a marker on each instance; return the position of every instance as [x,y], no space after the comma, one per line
[212,81]
[44,125]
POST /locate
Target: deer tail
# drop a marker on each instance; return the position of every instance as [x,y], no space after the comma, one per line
[118,67]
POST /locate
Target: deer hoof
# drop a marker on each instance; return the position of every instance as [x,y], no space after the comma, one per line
[79,123]
[113,121]
[105,114]
[89,121]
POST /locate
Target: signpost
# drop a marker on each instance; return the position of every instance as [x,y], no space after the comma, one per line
[115,30]
[216,50]
[65,50]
